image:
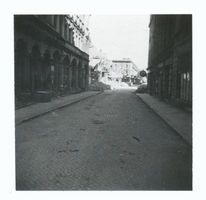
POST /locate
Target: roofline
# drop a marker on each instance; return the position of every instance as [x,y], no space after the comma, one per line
[124,61]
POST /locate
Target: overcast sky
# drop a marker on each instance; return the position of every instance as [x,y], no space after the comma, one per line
[122,36]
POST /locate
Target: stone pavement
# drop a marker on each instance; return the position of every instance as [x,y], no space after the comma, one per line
[179,120]
[111,141]
[35,110]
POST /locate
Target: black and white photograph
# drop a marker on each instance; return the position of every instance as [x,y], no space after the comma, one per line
[103,110]
[102,100]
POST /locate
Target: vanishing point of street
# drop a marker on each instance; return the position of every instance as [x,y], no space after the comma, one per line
[111,141]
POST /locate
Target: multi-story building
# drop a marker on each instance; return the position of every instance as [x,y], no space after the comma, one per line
[170,58]
[80,26]
[51,55]
[124,70]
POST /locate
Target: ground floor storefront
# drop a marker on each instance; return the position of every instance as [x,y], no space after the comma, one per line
[47,75]
[173,80]
[46,67]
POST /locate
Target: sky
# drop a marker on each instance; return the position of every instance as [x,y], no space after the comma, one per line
[122,36]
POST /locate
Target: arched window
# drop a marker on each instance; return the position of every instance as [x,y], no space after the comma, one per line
[46,70]
[36,68]
[66,65]
[56,71]
[74,65]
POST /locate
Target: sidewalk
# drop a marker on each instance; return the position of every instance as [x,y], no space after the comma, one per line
[33,111]
[177,119]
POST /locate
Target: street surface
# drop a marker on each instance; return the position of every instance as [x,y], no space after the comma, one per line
[111,141]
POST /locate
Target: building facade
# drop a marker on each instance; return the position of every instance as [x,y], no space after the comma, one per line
[124,70]
[170,58]
[51,55]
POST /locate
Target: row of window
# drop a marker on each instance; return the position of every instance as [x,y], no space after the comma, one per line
[163,33]
[65,29]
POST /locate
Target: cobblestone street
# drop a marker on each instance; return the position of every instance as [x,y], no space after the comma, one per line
[111,141]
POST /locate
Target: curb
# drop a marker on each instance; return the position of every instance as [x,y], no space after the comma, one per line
[55,108]
[166,121]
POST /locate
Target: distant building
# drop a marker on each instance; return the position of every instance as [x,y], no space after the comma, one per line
[170,58]
[106,70]
[123,70]
[51,55]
